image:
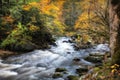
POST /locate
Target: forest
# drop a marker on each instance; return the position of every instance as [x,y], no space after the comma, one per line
[59,39]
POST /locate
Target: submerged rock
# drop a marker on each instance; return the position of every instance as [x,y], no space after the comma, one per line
[97,54]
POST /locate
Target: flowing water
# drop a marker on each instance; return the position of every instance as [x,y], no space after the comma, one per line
[41,64]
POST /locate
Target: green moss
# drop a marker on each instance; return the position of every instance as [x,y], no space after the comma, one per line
[72,77]
[60,70]
[23,39]
[94,59]
[96,69]
[57,75]
[103,73]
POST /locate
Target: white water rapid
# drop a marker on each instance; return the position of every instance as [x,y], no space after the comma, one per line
[41,64]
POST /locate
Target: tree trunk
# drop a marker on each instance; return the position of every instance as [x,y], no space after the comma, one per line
[114,15]
[0,4]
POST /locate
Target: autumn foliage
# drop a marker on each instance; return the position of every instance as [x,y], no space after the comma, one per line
[86,18]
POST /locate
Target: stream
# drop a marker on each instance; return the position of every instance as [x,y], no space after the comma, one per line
[41,64]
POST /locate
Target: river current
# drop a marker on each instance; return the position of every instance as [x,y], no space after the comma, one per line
[41,64]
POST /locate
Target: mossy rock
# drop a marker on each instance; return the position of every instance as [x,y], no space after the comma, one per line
[72,77]
[57,75]
[60,70]
[18,46]
[97,54]
[94,59]
[80,71]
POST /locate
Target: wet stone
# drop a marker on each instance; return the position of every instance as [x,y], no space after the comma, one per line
[76,59]
[57,75]
[72,77]
[60,70]
[94,59]
[80,71]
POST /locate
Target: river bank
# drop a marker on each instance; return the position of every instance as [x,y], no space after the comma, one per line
[5,53]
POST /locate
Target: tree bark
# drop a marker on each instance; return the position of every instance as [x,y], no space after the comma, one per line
[114,17]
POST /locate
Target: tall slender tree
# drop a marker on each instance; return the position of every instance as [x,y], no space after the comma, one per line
[114,17]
